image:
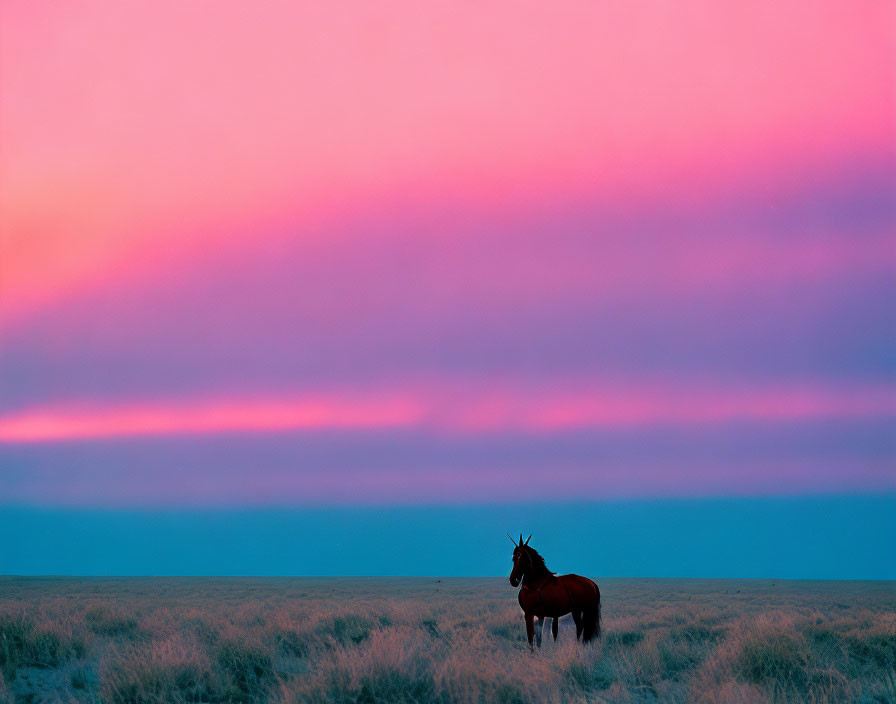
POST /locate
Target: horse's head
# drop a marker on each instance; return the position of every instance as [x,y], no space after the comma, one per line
[522,560]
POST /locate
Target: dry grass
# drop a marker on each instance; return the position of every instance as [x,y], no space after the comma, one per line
[423,640]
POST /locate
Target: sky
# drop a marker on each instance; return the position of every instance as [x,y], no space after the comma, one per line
[316,257]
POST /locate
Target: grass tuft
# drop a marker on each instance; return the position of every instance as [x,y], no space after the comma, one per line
[152,683]
[392,686]
[878,649]
[248,667]
[293,643]
[385,686]
[22,644]
[104,622]
[681,658]
[590,677]
[625,638]
[774,657]
[347,628]
[505,631]
[696,633]
[431,627]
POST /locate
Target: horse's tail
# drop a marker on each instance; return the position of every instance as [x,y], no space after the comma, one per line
[592,618]
[595,627]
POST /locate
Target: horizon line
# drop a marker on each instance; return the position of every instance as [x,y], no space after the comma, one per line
[420,576]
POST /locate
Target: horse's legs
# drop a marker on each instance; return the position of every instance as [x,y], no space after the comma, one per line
[554,622]
[530,628]
[577,617]
[539,628]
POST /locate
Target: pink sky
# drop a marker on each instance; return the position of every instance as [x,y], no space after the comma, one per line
[130,127]
[471,219]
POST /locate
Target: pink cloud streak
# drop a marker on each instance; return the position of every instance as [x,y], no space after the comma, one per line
[452,413]
[216,417]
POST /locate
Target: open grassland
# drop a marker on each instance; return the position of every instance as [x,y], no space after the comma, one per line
[450,640]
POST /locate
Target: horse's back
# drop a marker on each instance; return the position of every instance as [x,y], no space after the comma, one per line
[582,587]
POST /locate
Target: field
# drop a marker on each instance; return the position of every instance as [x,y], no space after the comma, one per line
[449,640]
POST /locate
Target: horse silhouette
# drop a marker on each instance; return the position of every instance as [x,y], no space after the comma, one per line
[545,595]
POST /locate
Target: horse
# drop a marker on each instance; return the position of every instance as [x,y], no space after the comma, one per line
[544,594]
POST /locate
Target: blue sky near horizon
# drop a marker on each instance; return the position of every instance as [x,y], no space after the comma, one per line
[822,537]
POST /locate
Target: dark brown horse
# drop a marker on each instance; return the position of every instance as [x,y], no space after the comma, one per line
[544,595]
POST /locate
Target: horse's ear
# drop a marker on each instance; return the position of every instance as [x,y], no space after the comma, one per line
[527,539]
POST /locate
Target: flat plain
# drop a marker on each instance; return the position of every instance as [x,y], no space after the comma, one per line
[421,640]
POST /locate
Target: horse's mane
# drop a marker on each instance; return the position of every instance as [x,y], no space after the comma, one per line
[539,569]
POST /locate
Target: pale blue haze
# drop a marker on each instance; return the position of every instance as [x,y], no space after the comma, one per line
[828,537]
